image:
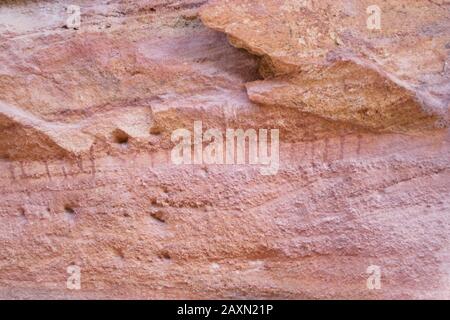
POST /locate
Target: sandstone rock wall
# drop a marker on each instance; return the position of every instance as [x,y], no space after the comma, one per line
[86,117]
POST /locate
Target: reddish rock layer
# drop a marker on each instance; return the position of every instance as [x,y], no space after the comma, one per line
[86,177]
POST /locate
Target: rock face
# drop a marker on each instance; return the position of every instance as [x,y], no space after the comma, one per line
[322,58]
[87,178]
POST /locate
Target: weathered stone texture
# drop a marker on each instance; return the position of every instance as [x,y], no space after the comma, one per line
[86,177]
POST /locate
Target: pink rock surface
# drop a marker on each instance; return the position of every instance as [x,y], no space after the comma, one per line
[86,176]
[322,58]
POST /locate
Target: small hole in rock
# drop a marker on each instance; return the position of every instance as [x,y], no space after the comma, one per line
[23,217]
[69,214]
[156,130]
[121,137]
[69,209]
[158,215]
[164,255]
[119,253]
[155,202]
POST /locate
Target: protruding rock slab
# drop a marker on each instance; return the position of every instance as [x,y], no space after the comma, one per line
[330,58]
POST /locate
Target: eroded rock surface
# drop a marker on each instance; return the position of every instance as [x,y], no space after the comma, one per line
[321,57]
[86,177]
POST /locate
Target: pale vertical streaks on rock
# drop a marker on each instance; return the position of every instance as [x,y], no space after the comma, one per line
[34,170]
[64,172]
[341,146]
[22,170]
[359,144]
[92,162]
[12,172]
